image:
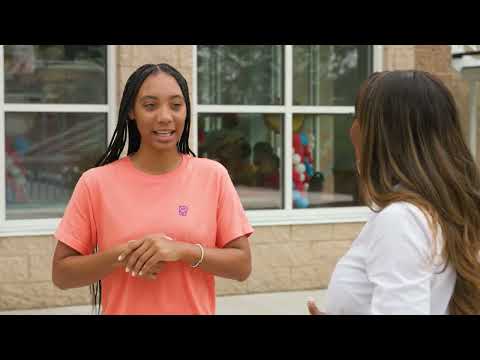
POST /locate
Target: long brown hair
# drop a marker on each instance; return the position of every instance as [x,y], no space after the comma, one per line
[410,135]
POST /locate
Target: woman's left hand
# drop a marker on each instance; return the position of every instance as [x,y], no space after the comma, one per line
[142,255]
[312,307]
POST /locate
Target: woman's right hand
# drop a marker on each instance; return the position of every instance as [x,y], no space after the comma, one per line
[151,275]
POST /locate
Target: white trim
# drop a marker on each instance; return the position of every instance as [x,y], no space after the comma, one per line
[53,108]
[3,187]
[111,90]
[37,227]
[241,109]
[309,216]
[377,58]
[323,110]
[257,218]
[194,119]
[288,131]
[473,95]
[247,109]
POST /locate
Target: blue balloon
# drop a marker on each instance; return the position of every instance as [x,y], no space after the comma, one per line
[304,139]
[300,201]
[309,169]
[296,195]
[21,145]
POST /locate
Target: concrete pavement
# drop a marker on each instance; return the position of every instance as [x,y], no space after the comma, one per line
[286,303]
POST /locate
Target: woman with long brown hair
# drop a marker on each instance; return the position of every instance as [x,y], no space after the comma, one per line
[419,252]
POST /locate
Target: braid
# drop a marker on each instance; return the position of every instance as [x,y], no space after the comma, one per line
[126,127]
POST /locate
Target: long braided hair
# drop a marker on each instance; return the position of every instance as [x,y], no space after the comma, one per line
[126,128]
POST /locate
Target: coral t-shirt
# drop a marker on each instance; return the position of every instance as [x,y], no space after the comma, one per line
[195,203]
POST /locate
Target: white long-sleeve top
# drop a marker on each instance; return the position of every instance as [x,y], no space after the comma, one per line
[393,267]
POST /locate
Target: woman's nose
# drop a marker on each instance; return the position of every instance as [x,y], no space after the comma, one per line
[164,116]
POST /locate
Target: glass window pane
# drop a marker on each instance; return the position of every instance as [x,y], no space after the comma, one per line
[55,74]
[329,75]
[250,146]
[240,74]
[324,171]
[45,155]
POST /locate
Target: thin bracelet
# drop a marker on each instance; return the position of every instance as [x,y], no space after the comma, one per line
[201,257]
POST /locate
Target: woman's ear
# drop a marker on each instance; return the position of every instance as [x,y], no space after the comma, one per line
[355,138]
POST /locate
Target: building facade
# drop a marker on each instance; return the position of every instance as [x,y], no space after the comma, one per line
[277,116]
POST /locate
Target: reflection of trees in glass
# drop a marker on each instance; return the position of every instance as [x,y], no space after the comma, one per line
[334,60]
[240,74]
[329,74]
[55,74]
[51,151]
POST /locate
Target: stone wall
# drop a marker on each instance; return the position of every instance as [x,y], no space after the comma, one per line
[285,258]
[25,276]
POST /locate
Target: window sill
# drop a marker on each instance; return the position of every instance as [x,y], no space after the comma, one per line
[309,216]
[16,228]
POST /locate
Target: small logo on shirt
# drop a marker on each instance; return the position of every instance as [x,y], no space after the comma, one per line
[183,210]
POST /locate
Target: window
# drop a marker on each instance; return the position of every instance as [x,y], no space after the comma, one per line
[56,106]
[278,118]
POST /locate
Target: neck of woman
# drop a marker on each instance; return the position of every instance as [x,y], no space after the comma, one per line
[156,162]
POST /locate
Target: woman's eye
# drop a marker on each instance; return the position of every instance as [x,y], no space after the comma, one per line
[149,106]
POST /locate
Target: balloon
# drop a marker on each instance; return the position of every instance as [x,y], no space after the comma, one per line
[310,170]
[297,145]
[304,139]
[300,200]
[300,168]
[296,159]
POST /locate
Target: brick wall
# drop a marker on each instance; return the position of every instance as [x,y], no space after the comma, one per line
[398,57]
[284,258]
[25,275]
[298,257]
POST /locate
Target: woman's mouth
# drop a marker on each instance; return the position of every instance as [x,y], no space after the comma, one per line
[164,135]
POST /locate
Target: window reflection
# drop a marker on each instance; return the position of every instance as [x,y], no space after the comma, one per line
[250,147]
[45,155]
[323,170]
[55,74]
[240,74]
[329,75]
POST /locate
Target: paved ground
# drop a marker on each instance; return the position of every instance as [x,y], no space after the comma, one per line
[287,303]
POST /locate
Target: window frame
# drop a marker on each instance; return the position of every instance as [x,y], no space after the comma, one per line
[36,227]
[288,215]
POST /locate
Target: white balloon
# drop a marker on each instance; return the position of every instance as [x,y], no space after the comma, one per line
[296,159]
